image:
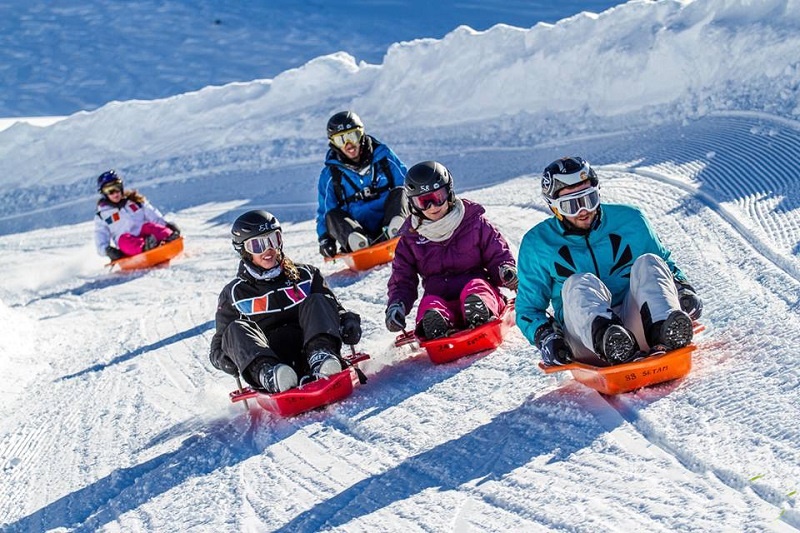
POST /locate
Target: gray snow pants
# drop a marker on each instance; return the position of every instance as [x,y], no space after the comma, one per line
[585,297]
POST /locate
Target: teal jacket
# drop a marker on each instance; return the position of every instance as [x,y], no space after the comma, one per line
[550,253]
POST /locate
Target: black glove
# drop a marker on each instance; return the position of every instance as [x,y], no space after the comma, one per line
[350,328]
[396,317]
[552,346]
[508,273]
[691,303]
[114,253]
[174,227]
[223,362]
[327,246]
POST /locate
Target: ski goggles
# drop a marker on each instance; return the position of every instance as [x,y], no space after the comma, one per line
[111,189]
[353,136]
[435,198]
[270,241]
[572,204]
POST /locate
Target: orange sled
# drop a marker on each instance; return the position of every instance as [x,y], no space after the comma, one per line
[631,376]
[366,258]
[306,397]
[467,342]
[152,257]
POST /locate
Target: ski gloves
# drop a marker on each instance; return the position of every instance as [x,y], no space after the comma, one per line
[508,273]
[551,344]
[350,328]
[691,303]
[396,317]
[327,246]
[223,362]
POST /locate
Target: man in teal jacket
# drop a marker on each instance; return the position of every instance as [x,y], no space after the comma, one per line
[614,289]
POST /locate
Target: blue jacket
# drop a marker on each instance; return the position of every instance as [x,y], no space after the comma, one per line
[369,213]
[549,254]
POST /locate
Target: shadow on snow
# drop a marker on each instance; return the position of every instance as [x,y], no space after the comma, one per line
[178,337]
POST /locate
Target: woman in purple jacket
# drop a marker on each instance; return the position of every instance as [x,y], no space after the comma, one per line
[462,259]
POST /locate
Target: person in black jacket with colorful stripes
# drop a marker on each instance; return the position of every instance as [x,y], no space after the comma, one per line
[277,320]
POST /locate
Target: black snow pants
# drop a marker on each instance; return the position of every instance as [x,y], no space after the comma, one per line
[340,224]
[251,348]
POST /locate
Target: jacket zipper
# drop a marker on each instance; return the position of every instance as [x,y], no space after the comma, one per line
[594,259]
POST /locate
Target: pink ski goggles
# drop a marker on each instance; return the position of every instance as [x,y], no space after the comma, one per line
[262,243]
[435,198]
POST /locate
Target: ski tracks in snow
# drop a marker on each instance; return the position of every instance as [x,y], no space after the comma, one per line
[757,202]
[485,442]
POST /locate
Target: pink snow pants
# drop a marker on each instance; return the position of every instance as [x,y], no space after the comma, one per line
[453,310]
[133,244]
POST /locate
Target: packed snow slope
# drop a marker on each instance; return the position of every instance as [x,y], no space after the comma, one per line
[112,418]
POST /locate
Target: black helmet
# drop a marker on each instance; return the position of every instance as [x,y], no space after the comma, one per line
[566,172]
[343,121]
[252,224]
[109,177]
[426,178]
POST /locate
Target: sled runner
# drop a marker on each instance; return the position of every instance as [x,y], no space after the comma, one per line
[155,256]
[366,258]
[309,396]
[484,338]
[631,376]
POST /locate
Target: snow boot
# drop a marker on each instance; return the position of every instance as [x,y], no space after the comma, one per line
[277,378]
[434,324]
[675,331]
[612,341]
[393,227]
[475,311]
[150,242]
[324,363]
[356,241]
[323,356]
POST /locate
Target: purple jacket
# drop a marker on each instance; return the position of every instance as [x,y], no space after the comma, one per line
[476,250]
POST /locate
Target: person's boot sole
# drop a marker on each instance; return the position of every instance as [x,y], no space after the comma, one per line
[618,345]
[677,330]
[434,325]
[475,311]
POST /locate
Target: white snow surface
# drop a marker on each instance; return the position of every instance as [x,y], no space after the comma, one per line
[113,419]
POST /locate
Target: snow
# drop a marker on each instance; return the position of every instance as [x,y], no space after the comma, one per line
[111,416]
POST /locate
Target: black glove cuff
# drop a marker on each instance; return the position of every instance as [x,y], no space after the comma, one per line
[684,286]
[542,332]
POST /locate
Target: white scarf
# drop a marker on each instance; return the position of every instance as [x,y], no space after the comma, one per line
[442,229]
[259,273]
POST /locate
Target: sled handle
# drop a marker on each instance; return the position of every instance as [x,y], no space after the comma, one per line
[239,384]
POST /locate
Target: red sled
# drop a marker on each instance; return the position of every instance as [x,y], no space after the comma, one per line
[155,256]
[366,258]
[306,397]
[627,377]
[463,343]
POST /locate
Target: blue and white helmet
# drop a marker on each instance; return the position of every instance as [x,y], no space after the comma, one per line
[566,172]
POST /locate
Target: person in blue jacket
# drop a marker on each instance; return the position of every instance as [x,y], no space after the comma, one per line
[361,199]
[616,293]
